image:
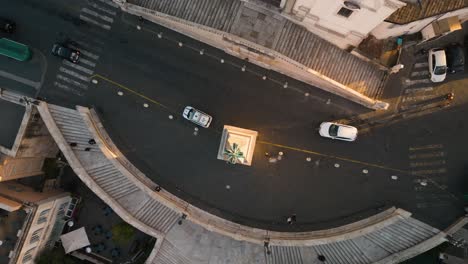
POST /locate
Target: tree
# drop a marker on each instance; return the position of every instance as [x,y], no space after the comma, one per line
[122,233]
[233,153]
[54,256]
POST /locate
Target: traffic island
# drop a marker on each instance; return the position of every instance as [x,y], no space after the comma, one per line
[237,145]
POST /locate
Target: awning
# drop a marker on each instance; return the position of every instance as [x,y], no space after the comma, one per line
[75,240]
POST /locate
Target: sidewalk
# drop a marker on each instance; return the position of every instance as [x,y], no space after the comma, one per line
[276,34]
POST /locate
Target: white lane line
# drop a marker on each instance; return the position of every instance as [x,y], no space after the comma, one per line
[412,82]
[20,79]
[68,89]
[87,62]
[86,53]
[74,74]
[427,163]
[419,89]
[419,73]
[418,98]
[78,67]
[103,9]
[427,172]
[430,146]
[437,154]
[87,46]
[73,82]
[109,3]
[421,64]
[96,14]
[94,22]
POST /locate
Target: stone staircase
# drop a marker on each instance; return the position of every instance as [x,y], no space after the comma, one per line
[218,14]
[321,56]
[287,38]
[101,172]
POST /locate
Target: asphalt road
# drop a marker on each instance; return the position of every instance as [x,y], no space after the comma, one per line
[342,182]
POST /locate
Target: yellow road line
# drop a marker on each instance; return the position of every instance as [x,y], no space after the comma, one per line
[131,91]
[333,157]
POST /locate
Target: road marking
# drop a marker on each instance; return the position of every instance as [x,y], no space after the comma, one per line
[131,91]
[74,74]
[409,82]
[421,64]
[331,156]
[103,9]
[78,67]
[87,62]
[96,14]
[68,89]
[433,204]
[427,163]
[20,79]
[428,155]
[87,53]
[430,146]
[419,89]
[427,172]
[419,98]
[87,45]
[94,22]
[109,3]
[70,81]
[419,73]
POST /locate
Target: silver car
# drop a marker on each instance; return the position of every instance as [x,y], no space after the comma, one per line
[196,116]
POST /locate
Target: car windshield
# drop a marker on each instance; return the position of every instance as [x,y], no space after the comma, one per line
[333,130]
[440,70]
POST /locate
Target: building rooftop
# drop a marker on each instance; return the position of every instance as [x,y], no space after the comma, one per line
[426,8]
[10,223]
[12,116]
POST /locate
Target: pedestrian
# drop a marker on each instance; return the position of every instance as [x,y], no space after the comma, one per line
[291,219]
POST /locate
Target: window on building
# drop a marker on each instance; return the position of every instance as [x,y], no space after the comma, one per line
[36,236]
[61,210]
[28,255]
[43,216]
[345,12]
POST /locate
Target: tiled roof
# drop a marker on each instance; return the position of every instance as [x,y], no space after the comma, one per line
[414,11]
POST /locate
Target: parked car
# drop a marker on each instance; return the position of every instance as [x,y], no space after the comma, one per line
[7,25]
[62,51]
[455,58]
[437,65]
[197,116]
[338,131]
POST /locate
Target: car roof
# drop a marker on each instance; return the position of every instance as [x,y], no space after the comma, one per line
[347,131]
[439,56]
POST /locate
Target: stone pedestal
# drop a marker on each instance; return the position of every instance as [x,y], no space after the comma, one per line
[244,138]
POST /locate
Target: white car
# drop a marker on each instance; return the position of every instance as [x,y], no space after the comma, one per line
[437,65]
[338,131]
[197,116]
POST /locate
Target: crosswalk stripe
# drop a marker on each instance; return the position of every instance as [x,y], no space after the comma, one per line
[96,14]
[74,74]
[87,53]
[427,172]
[419,89]
[73,82]
[418,98]
[92,21]
[413,82]
[89,37]
[82,44]
[87,62]
[78,67]
[428,155]
[419,73]
[430,146]
[427,163]
[433,204]
[109,3]
[421,64]
[67,88]
[103,9]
